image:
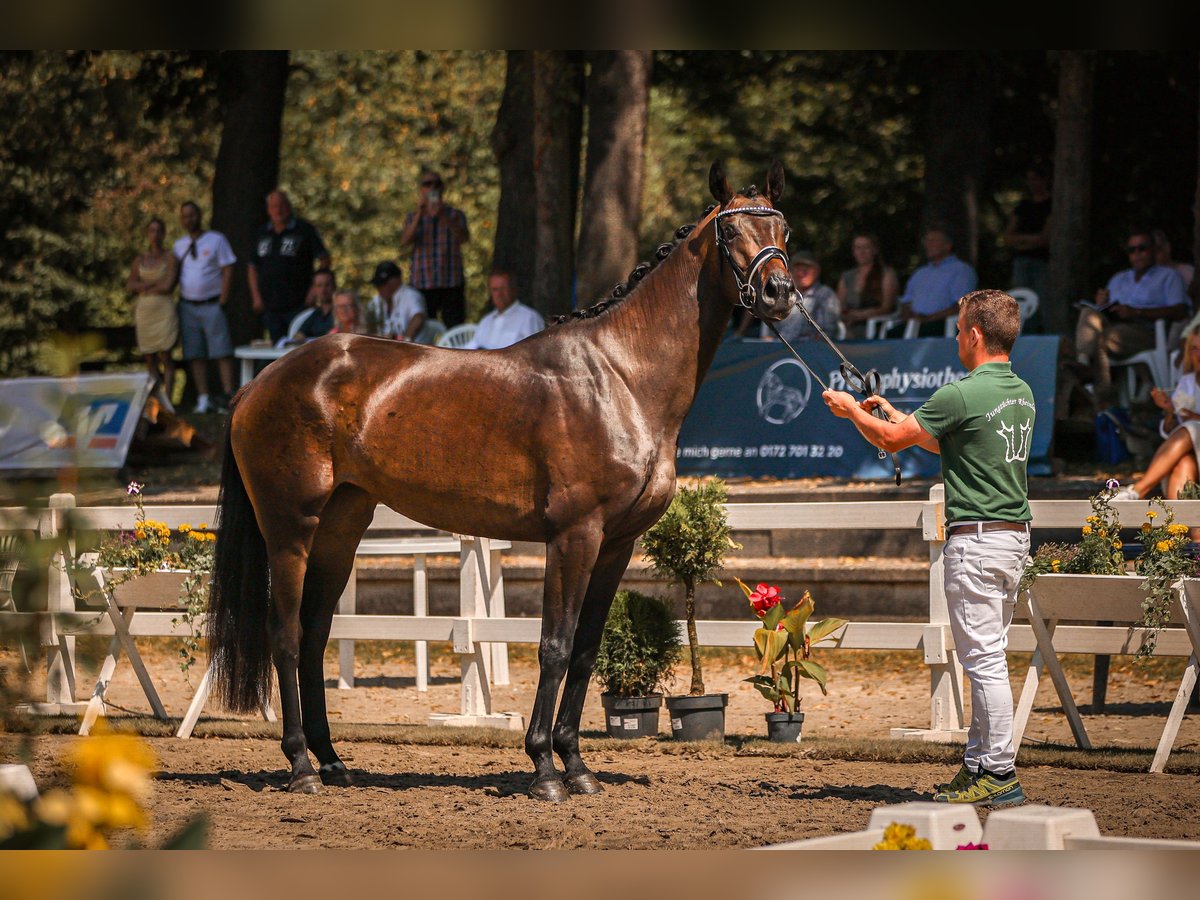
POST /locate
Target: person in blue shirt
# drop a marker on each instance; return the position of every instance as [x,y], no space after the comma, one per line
[932,293]
[1121,321]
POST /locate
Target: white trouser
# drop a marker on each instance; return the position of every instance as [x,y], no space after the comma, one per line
[982,570]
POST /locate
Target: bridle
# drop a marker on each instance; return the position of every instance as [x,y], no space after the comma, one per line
[747,293]
[867,384]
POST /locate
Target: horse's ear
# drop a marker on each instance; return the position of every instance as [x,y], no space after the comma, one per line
[775,182]
[718,184]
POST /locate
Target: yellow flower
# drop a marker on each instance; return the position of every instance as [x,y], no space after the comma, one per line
[1087,529]
[13,816]
[204,526]
[1145,526]
[1116,545]
[1095,520]
[1054,566]
[1177,529]
[139,534]
[1162,546]
[115,764]
[212,536]
[184,528]
[1151,515]
[902,837]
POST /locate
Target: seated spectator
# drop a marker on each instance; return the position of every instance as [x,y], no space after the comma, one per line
[1162,257]
[347,314]
[320,298]
[396,311]
[1176,459]
[932,293]
[869,289]
[510,321]
[819,301]
[1121,323]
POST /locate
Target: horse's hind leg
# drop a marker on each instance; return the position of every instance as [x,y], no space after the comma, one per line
[343,522]
[569,561]
[606,577]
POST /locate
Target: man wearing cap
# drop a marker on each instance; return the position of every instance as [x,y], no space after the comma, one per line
[436,232]
[281,271]
[820,301]
[396,311]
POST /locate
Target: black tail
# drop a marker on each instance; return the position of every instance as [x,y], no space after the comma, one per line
[239,604]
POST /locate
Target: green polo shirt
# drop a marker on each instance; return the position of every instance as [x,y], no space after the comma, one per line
[984,426]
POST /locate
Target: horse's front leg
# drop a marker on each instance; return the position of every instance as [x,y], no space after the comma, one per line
[606,577]
[570,558]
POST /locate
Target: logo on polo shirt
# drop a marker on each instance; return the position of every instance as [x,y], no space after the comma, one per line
[1016,440]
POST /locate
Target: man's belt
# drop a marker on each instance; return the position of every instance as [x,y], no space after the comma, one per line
[987,526]
[215,299]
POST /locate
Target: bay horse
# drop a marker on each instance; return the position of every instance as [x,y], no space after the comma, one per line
[567,438]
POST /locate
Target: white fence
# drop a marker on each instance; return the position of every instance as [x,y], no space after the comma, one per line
[481,632]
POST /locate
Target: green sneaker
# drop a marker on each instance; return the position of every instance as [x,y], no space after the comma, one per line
[963,778]
[985,790]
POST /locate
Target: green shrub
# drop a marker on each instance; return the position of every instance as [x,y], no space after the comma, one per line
[639,647]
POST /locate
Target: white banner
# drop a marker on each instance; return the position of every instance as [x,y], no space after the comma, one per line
[82,422]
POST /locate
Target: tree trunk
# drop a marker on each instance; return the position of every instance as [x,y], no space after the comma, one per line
[960,90]
[1195,288]
[512,142]
[618,94]
[1072,201]
[253,85]
[689,605]
[557,118]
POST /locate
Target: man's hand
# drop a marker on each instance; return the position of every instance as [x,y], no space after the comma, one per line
[840,403]
[875,401]
[1101,296]
[1121,311]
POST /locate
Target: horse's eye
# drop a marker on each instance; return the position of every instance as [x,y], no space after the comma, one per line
[728,231]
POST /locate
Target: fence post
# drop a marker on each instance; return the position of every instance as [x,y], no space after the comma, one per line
[60,656]
[347,606]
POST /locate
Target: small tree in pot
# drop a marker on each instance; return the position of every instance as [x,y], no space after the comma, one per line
[688,546]
[638,651]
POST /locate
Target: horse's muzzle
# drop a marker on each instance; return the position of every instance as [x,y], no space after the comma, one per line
[777,297]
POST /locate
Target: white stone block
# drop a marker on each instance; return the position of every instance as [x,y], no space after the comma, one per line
[1035,827]
[509,721]
[945,825]
[18,781]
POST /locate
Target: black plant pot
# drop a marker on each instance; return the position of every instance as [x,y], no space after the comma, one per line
[631,717]
[698,718]
[784,727]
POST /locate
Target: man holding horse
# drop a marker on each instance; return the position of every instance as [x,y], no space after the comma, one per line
[981,426]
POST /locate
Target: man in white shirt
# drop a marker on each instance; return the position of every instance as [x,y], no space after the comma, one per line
[396,311]
[205,272]
[511,321]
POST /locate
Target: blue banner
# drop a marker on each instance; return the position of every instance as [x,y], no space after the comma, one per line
[759,413]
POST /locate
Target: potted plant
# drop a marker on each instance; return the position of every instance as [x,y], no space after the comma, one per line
[152,561]
[638,650]
[784,646]
[687,546]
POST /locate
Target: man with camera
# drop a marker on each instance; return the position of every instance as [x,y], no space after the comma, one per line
[436,231]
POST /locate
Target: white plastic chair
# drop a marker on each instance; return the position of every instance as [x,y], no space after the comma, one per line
[430,332]
[877,326]
[458,336]
[1156,360]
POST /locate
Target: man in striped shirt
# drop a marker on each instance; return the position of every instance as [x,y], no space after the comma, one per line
[436,232]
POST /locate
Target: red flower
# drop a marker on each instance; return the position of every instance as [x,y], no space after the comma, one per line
[971,847]
[764,598]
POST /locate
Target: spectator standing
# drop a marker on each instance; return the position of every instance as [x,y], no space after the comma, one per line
[396,311]
[869,289]
[1028,235]
[933,291]
[819,301]
[510,321]
[205,275]
[437,231]
[981,427]
[288,248]
[347,314]
[319,321]
[156,322]
[1121,322]
[1162,257]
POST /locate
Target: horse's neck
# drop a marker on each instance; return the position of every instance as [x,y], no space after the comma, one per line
[667,332]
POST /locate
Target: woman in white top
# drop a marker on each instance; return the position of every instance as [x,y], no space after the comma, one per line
[1175,460]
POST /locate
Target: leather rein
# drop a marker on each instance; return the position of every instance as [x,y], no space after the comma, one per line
[867,384]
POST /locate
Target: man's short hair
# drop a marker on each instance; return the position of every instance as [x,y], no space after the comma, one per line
[503,273]
[325,270]
[941,228]
[995,314]
[194,205]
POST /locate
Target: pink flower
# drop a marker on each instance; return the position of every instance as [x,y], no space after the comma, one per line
[764,598]
[971,847]
[134,489]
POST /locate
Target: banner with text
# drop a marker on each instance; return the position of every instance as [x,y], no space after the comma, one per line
[56,423]
[759,413]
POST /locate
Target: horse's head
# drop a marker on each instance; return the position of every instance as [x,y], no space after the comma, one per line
[750,235]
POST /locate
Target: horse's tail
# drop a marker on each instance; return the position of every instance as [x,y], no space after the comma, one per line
[239,602]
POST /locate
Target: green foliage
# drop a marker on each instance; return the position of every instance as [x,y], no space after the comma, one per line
[1189,491]
[1050,558]
[688,544]
[640,646]
[1166,557]
[1099,550]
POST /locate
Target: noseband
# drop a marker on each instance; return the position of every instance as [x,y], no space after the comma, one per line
[747,293]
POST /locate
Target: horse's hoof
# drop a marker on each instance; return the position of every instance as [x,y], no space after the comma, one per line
[305,784]
[336,775]
[550,789]
[586,783]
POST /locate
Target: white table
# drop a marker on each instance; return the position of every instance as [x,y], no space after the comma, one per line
[250,353]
